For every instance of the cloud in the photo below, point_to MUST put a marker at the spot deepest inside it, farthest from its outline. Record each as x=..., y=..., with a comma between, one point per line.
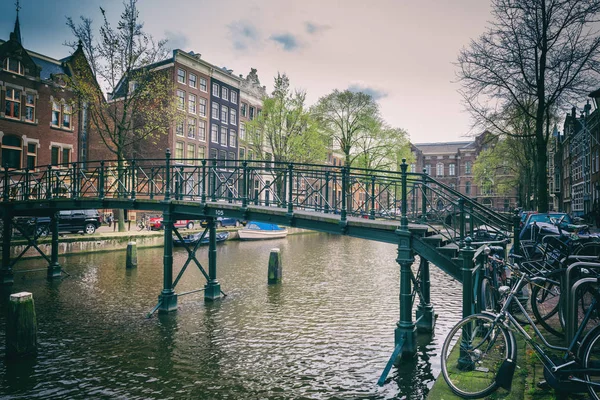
x=287, y=40
x=243, y=34
x=314, y=29
x=375, y=93
x=176, y=40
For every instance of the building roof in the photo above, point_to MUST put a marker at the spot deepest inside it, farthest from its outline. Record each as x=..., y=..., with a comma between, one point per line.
x=441, y=148
x=48, y=65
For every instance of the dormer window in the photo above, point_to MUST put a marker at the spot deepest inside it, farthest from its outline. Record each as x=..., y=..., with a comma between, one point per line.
x=12, y=65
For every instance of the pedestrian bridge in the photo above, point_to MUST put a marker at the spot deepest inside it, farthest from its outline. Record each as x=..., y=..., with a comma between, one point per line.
x=412, y=210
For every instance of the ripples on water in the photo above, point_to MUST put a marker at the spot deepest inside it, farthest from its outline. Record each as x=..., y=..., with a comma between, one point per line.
x=325, y=333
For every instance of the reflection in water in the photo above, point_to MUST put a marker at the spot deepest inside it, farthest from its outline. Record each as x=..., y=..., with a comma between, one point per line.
x=325, y=332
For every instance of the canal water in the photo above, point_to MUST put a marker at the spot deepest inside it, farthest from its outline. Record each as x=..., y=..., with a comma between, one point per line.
x=325, y=333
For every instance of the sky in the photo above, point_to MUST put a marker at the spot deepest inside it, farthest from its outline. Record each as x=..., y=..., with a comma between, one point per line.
x=402, y=52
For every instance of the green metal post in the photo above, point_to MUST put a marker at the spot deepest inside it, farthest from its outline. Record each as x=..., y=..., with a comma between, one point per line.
x=465, y=361
x=372, y=213
x=343, y=212
x=245, y=185
x=133, y=180
x=6, y=273
x=213, y=195
x=290, y=205
x=425, y=314
x=49, y=182
x=471, y=220
x=406, y=329
x=404, y=218
x=168, y=175
x=516, y=233
x=424, y=195
x=101, y=181
x=167, y=298
x=54, y=269
x=203, y=198
x=284, y=191
x=27, y=184
x=212, y=289
x=461, y=209
x=6, y=186
x=74, y=176
x=151, y=184
x=327, y=192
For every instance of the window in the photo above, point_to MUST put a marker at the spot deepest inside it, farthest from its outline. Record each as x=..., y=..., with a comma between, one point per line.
x=180, y=99
x=202, y=131
x=428, y=169
x=203, y=84
x=234, y=97
x=178, y=151
x=201, y=152
x=31, y=155
x=191, y=128
x=60, y=155
x=13, y=103
x=181, y=76
x=268, y=158
x=192, y=103
x=232, y=116
x=12, y=151
x=244, y=110
x=451, y=170
x=213, y=153
x=191, y=153
x=440, y=169
x=232, y=138
x=12, y=65
x=54, y=155
x=66, y=116
x=55, y=114
x=66, y=156
x=242, y=131
x=215, y=90
x=250, y=155
x=468, y=168
x=179, y=128
x=467, y=187
x=202, y=107
x=214, y=133
x=251, y=113
x=223, y=157
x=242, y=153
x=223, y=138
x=224, y=111
x=225, y=93
x=413, y=168
x=30, y=107
x=215, y=110
x=193, y=79
x=231, y=157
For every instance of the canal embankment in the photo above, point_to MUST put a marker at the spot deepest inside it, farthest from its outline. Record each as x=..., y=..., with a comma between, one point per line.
x=105, y=239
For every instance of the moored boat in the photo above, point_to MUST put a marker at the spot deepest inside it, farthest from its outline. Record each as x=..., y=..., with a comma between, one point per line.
x=261, y=230
x=194, y=238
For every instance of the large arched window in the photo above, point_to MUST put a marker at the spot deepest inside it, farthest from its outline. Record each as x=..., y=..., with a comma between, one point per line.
x=12, y=151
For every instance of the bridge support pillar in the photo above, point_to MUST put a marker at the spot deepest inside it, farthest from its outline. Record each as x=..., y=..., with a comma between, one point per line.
x=424, y=314
x=212, y=289
x=406, y=331
x=54, y=269
x=6, y=273
x=168, y=298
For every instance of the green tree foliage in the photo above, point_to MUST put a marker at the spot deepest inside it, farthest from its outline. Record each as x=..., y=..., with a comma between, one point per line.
x=285, y=128
x=127, y=101
x=383, y=149
x=536, y=57
x=349, y=119
x=496, y=170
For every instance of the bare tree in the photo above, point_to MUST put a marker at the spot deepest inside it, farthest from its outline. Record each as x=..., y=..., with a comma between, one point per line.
x=536, y=57
x=127, y=100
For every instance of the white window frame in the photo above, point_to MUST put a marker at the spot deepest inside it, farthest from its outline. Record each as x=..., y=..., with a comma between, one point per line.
x=232, y=138
x=224, y=114
x=215, y=115
x=202, y=107
x=192, y=103
x=203, y=85
x=232, y=116
x=181, y=79
x=195, y=80
x=234, y=97
x=214, y=133
x=215, y=89
x=225, y=93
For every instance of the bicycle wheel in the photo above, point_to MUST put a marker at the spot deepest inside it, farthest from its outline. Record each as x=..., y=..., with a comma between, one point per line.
x=472, y=354
x=589, y=249
x=591, y=360
x=488, y=296
x=584, y=297
x=546, y=304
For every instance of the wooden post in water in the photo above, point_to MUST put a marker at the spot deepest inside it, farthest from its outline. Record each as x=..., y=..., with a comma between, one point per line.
x=131, y=261
x=275, y=267
x=21, y=326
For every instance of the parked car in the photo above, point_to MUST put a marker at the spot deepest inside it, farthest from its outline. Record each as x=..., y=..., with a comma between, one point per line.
x=156, y=224
x=543, y=219
x=223, y=222
x=72, y=221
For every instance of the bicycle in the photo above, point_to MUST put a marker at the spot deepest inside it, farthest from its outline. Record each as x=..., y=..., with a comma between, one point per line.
x=485, y=358
x=142, y=225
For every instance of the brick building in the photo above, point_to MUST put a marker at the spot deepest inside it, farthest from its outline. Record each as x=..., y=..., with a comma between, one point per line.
x=39, y=118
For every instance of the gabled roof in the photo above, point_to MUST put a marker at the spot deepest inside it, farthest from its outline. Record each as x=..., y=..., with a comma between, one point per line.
x=441, y=148
x=48, y=65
